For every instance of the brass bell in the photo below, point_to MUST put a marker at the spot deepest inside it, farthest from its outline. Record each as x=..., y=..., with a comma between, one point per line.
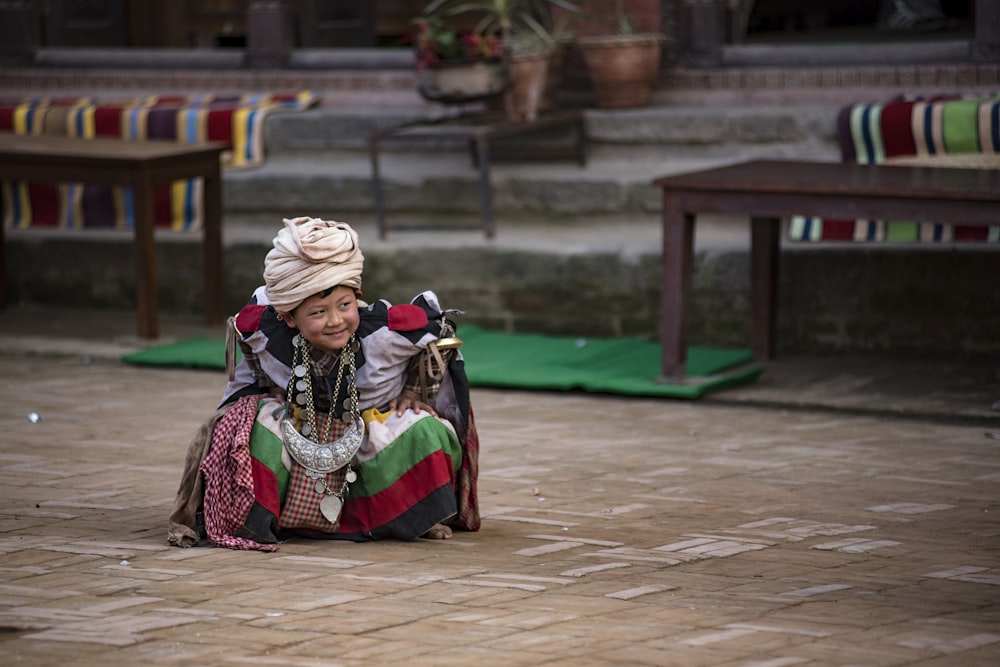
x=449, y=343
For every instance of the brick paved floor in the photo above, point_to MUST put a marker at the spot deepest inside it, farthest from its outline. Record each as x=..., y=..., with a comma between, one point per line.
x=616, y=532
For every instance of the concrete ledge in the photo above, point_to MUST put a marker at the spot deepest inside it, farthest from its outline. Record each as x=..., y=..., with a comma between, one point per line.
x=326, y=59
x=325, y=129
x=200, y=59
x=444, y=193
x=700, y=126
x=928, y=52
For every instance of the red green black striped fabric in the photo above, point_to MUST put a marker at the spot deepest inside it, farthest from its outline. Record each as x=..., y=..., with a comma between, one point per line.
x=874, y=133
x=233, y=120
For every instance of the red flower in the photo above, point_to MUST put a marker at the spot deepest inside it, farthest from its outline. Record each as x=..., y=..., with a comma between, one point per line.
x=434, y=43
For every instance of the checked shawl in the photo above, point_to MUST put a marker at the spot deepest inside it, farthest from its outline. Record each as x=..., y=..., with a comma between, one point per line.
x=228, y=474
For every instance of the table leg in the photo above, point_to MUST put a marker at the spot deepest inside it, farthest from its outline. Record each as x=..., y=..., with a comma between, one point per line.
x=485, y=192
x=3, y=269
x=373, y=148
x=581, y=141
x=212, y=248
x=764, y=256
x=473, y=152
x=145, y=259
x=675, y=289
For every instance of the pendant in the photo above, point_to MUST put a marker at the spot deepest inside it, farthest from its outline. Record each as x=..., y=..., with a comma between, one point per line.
x=326, y=457
x=320, y=487
x=301, y=385
x=330, y=506
x=300, y=371
x=351, y=477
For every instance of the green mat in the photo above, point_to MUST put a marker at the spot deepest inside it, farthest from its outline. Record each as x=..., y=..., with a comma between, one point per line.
x=625, y=366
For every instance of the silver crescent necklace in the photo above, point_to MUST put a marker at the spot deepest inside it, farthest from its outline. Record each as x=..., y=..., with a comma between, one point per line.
x=319, y=458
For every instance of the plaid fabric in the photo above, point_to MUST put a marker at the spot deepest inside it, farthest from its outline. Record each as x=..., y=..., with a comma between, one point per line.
x=467, y=484
x=228, y=475
x=237, y=121
x=875, y=133
x=300, y=510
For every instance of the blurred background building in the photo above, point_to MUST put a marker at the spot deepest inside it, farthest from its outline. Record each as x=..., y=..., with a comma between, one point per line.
x=703, y=33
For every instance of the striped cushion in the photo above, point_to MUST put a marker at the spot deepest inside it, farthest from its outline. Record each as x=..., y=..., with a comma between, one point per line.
x=236, y=121
x=927, y=131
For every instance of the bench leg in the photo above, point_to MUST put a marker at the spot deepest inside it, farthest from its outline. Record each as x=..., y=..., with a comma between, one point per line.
x=764, y=256
x=485, y=191
x=3, y=270
x=675, y=288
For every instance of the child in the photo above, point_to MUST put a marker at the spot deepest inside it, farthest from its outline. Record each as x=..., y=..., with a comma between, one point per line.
x=330, y=426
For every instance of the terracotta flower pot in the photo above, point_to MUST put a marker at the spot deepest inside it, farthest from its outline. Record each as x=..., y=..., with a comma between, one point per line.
x=623, y=68
x=528, y=74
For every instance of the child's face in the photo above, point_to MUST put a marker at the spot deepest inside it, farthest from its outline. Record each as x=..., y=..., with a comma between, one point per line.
x=327, y=322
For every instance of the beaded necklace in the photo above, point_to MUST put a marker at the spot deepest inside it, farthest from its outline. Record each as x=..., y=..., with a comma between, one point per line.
x=323, y=457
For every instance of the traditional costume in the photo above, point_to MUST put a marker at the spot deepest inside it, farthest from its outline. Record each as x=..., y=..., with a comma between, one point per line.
x=304, y=443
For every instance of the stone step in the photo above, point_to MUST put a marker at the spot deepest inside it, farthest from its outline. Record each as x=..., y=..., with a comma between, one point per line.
x=693, y=129
x=577, y=249
x=447, y=184
x=318, y=160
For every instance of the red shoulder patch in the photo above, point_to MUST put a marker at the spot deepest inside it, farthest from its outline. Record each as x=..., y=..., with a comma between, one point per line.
x=407, y=317
x=248, y=319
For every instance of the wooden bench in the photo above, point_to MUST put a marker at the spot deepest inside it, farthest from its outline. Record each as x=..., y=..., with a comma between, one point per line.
x=769, y=191
x=139, y=165
x=481, y=131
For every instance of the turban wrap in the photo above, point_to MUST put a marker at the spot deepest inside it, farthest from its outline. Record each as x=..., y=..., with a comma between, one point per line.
x=309, y=256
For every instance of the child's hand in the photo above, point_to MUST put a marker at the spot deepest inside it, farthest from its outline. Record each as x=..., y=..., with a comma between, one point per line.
x=409, y=401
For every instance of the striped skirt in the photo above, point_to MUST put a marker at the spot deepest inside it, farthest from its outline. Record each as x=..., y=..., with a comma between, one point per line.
x=408, y=471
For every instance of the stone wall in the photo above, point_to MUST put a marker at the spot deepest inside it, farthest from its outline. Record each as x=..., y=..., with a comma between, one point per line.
x=936, y=302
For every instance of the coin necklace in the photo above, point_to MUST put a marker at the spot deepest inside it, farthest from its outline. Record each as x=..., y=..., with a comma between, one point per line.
x=323, y=457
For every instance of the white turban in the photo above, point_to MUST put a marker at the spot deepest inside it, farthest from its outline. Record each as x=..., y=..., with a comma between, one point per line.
x=309, y=256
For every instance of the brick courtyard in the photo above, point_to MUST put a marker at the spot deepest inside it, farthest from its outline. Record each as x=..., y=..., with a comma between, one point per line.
x=616, y=532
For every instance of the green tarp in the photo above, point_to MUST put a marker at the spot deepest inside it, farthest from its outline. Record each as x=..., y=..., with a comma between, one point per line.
x=626, y=366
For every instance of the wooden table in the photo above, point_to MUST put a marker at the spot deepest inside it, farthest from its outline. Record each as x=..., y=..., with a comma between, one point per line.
x=139, y=165
x=769, y=191
x=480, y=131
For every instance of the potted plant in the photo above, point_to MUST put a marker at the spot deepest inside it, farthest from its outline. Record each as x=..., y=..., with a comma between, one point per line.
x=528, y=45
x=457, y=66
x=623, y=64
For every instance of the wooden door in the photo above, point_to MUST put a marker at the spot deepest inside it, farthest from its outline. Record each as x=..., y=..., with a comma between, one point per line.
x=335, y=23
x=394, y=21
x=216, y=23
x=96, y=23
